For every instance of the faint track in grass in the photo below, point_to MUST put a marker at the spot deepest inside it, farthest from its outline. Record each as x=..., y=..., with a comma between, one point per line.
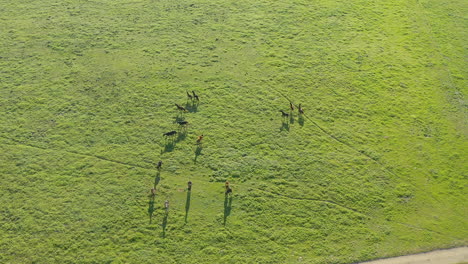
x=309, y=199
x=389, y=171
x=350, y=209
x=77, y=153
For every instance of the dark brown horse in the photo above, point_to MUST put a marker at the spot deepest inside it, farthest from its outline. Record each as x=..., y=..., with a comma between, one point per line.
x=159, y=165
x=195, y=96
x=181, y=108
x=189, y=96
x=284, y=114
x=168, y=134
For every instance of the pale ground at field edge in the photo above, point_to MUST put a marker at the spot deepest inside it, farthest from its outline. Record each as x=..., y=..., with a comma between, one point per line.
x=446, y=256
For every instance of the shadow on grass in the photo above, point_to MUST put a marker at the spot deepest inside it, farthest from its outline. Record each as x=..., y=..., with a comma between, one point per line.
x=291, y=118
x=187, y=205
x=192, y=106
x=181, y=135
x=157, y=179
x=151, y=208
x=227, y=207
x=284, y=126
x=198, y=152
x=169, y=146
x=179, y=118
x=301, y=120
x=164, y=224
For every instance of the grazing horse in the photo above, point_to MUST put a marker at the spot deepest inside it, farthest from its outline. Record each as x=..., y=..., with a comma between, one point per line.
x=168, y=134
x=153, y=192
x=199, y=139
x=189, y=96
x=283, y=114
x=159, y=164
x=301, y=111
x=291, y=106
x=195, y=96
x=181, y=108
x=182, y=123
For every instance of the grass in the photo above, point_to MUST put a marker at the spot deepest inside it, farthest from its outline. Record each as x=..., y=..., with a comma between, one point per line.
x=375, y=167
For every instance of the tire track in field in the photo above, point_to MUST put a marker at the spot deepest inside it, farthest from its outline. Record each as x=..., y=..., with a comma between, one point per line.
x=308, y=199
x=369, y=157
x=350, y=209
x=382, y=166
x=77, y=153
x=427, y=229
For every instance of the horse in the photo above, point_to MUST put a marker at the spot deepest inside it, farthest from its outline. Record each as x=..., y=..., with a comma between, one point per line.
x=166, y=205
x=199, y=139
x=283, y=114
x=291, y=106
x=171, y=133
x=159, y=164
x=299, y=108
x=189, y=186
x=182, y=123
x=153, y=192
x=195, y=96
x=189, y=96
x=228, y=190
x=181, y=108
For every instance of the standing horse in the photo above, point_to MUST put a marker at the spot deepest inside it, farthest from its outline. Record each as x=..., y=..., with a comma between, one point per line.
x=199, y=139
x=283, y=114
x=299, y=108
x=195, y=96
x=189, y=96
x=181, y=108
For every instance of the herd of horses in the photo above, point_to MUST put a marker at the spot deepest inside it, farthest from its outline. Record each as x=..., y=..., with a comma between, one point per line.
x=291, y=107
x=183, y=123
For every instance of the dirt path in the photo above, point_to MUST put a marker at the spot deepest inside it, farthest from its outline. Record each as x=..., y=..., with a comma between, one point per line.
x=446, y=256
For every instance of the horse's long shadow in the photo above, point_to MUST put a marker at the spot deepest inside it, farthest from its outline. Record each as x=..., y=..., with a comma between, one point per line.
x=284, y=126
x=187, y=204
x=227, y=207
x=169, y=146
x=181, y=135
x=291, y=118
x=157, y=179
x=151, y=208
x=192, y=106
x=198, y=152
x=301, y=120
x=164, y=224
x=179, y=118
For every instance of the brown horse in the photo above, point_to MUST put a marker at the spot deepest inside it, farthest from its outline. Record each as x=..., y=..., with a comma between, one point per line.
x=171, y=133
x=291, y=106
x=299, y=108
x=159, y=165
x=283, y=114
x=199, y=139
x=189, y=96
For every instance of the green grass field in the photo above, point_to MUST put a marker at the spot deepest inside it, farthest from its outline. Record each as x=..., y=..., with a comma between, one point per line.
x=376, y=167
